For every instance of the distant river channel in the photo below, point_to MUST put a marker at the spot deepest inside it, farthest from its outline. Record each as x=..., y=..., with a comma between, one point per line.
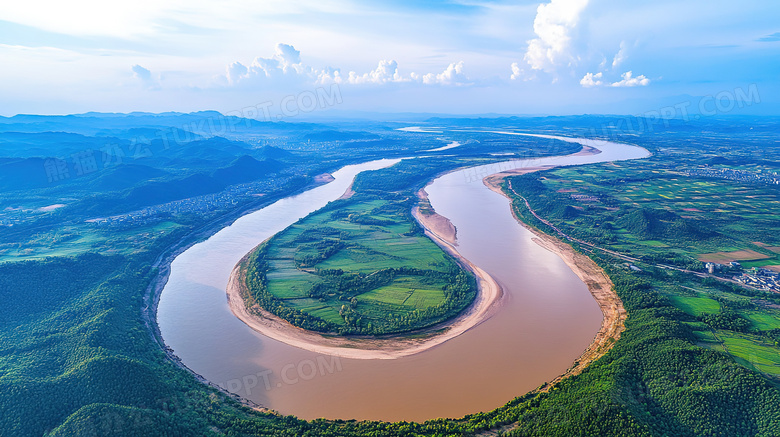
x=547, y=320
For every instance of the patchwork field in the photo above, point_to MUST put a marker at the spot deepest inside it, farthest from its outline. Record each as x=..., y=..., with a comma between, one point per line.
x=658, y=215
x=752, y=351
x=360, y=266
x=737, y=255
x=677, y=216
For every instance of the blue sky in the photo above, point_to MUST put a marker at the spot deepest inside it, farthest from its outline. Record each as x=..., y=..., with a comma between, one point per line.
x=461, y=57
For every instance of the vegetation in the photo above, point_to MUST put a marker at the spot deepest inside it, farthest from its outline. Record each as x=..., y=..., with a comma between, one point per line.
x=360, y=265
x=77, y=358
x=655, y=229
x=647, y=208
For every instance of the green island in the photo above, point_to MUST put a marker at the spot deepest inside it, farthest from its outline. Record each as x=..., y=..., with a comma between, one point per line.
x=358, y=266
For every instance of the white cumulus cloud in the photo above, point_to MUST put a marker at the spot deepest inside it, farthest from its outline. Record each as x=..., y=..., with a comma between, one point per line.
x=517, y=72
x=287, y=55
x=452, y=75
x=328, y=76
x=554, y=26
x=629, y=80
x=386, y=71
x=591, y=80
x=235, y=72
x=286, y=67
x=286, y=60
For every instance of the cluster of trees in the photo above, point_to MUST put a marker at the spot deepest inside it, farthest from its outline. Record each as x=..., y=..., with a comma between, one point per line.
x=650, y=224
x=410, y=174
x=311, y=254
x=727, y=319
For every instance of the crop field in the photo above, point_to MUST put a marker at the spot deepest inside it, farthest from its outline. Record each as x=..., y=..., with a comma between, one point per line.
x=765, y=320
x=752, y=351
x=350, y=264
x=602, y=192
x=407, y=292
x=695, y=306
x=737, y=255
x=653, y=211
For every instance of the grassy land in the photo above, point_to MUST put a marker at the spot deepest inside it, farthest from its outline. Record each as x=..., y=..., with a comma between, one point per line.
x=658, y=215
x=359, y=266
x=76, y=358
x=84, y=238
x=666, y=204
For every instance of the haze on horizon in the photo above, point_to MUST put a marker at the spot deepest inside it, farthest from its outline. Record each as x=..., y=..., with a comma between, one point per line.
x=460, y=56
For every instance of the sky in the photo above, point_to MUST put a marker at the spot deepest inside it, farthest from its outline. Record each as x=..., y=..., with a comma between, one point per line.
x=301, y=57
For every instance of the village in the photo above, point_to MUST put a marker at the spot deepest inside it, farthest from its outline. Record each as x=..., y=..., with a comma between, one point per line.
x=763, y=279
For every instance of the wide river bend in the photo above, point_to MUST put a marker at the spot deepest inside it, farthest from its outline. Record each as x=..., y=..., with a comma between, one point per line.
x=547, y=319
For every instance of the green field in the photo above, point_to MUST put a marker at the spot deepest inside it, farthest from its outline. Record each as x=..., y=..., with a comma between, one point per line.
x=359, y=266
x=71, y=240
x=695, y=306
x=764, y=321
x=659, y=215
x=673, y=204
x=78, y=359
x=752, y=351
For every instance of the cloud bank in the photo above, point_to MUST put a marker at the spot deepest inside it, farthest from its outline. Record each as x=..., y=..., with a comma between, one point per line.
x=286, y=67
x=144, y=75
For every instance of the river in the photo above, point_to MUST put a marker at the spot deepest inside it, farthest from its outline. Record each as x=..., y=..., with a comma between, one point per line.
x=547, y=319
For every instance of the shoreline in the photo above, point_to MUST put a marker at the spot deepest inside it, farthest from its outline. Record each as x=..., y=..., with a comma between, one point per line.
x=595, y=278
x=154, y=290
x=435, y=223
x=487, y=301
x=163, y=262
x=441, y=231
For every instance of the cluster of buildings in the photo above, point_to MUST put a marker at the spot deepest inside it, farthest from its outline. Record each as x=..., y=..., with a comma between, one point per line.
x=712, y=268
x=229, y=198
x=735, y=175
x=762, y=279
x=12, y=216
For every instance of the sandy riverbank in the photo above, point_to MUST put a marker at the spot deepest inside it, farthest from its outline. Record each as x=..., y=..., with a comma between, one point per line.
x=434, y=223
x=347, y=193
x=324, y=178
x=597, y=281
x=367, y=348
x=487, y=301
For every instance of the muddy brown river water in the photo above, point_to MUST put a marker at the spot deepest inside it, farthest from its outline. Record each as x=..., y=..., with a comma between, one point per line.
x=547, y=318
